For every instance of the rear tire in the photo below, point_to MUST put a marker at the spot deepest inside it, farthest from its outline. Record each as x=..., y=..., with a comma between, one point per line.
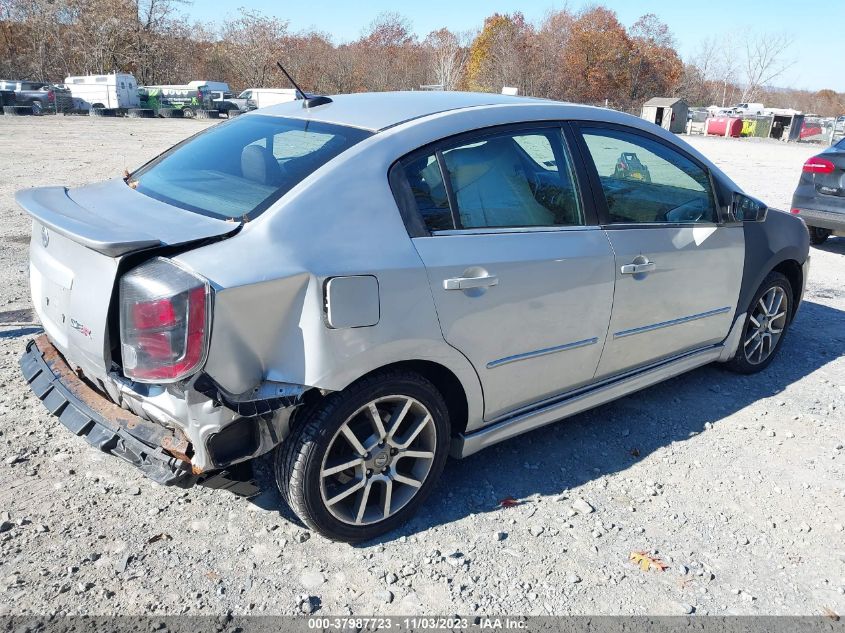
x=413, y=424
x=766, y=323
x=818, y=235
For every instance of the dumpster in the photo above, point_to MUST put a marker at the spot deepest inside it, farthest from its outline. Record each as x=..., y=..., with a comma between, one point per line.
x=724, y=126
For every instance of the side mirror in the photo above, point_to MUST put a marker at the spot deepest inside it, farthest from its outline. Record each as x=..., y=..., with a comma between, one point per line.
x=748, y=209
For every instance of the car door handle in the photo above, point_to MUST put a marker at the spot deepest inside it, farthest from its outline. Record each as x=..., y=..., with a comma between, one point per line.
x=635, y=269
x=466, y=283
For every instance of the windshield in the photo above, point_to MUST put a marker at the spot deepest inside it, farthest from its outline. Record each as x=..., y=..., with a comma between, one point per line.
x=238, y=169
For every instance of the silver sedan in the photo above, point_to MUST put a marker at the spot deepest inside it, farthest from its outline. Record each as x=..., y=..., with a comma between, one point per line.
x=366, y=283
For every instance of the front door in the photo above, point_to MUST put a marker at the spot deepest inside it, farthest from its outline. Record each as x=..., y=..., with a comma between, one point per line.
x=521, y=280
x=678, y=268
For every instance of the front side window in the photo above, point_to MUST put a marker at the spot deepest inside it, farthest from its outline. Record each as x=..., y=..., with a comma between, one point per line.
x=644, y=181
x=504, y=180
x=238, y=169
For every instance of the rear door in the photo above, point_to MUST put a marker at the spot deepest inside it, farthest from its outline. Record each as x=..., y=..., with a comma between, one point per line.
x=521, y=275
x=678, y=265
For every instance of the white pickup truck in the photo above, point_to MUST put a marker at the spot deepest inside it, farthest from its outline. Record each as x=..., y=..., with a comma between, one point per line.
x=748, y=108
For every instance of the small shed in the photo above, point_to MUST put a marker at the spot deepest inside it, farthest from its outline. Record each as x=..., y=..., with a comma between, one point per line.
x=667, y=112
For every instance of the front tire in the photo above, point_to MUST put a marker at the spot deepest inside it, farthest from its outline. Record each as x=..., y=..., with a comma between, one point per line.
x=818, y=235
x=359, y=462
x=765, y=327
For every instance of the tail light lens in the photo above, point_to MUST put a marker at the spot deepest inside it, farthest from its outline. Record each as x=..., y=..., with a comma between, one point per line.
x=51, y=96
x=164, y=322
x=818, y=165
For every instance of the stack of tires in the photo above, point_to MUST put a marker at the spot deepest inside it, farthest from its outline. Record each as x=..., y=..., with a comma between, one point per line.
x=7, y=98
x=103, y=112
x=207, y=114
x=16, y=110
x=141, y=113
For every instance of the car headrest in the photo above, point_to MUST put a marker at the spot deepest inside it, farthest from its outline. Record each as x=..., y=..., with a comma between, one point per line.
x=259, y=165
x=467, y=165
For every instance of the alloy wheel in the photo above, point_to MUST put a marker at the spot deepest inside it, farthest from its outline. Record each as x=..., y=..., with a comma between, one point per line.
x=378, y=460
x=765, y=325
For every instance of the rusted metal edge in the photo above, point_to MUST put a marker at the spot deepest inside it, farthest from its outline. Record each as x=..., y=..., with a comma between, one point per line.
x=109, y=414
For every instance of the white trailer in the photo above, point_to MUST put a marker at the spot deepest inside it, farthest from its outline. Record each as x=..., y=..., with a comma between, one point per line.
x=117, y=90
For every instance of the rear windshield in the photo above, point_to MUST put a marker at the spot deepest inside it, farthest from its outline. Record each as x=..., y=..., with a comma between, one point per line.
x=238, y=169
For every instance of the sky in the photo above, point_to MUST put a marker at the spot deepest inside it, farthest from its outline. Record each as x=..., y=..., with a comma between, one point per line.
x=818, y=49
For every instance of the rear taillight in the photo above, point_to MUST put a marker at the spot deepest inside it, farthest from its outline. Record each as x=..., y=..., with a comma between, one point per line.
x=794, y=211
x=164, y=322
x=51, y=96
x=818, y=165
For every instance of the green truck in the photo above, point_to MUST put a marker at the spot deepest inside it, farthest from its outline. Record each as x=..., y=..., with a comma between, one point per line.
x=167, y=99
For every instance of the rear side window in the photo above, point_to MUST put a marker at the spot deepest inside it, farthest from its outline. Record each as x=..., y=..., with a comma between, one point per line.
x=429, y=191
x=504, y=180
x=644, y=181
x=240, y=168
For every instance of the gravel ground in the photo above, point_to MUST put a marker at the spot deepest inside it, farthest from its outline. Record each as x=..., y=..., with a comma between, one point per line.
x=736, y=483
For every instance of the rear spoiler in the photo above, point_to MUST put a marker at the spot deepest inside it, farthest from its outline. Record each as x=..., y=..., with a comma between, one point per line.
x=113, y=219
x=53, y=208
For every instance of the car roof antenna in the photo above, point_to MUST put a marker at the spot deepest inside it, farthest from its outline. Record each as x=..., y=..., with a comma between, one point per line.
x=308, y=101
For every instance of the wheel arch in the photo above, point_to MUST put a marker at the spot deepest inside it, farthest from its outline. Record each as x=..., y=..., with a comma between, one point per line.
x=780, y=243
x=792, y=270
x=444, y=380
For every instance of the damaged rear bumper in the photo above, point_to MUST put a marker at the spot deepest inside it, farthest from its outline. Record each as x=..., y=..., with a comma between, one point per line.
x=162, y=454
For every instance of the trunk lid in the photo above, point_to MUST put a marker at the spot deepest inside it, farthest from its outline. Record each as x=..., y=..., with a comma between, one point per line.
x=79, y=238
x=832, y=184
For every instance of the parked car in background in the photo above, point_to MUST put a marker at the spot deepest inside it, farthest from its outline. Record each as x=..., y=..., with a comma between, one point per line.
x=39, y=95
x=224, y=102
x=214, y=86
x=116, y=90
x=819, y=199
x=366, y=283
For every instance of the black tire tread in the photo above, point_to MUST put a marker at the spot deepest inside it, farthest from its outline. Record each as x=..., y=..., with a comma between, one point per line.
x=306, y=427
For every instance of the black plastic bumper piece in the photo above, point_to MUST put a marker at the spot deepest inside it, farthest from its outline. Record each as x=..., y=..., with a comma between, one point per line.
x=116, y=438
x=97, y=431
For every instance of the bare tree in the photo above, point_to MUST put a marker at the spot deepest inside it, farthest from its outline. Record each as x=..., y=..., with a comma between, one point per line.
x=765, y=61
x=254, y=42
x=447, y=57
